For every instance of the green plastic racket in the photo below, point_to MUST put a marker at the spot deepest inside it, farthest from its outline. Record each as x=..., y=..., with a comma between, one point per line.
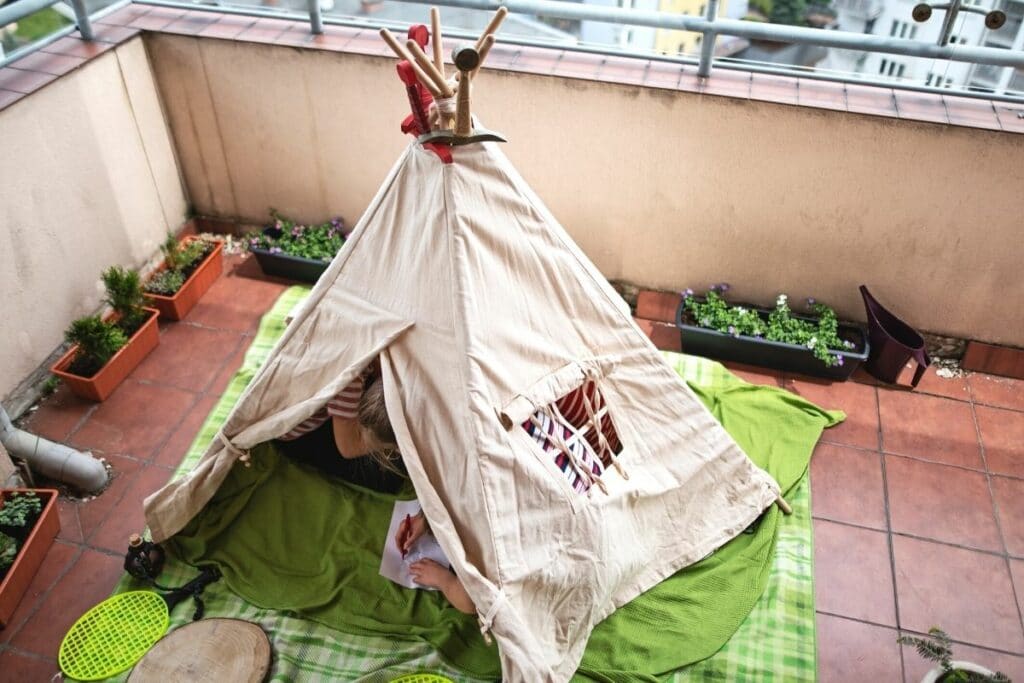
x=115, y=634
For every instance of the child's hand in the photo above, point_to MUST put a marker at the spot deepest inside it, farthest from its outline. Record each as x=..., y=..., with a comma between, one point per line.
x=409, y=531
x=430, y=574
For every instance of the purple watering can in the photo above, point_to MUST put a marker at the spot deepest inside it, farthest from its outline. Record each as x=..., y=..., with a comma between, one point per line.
x=893, y=343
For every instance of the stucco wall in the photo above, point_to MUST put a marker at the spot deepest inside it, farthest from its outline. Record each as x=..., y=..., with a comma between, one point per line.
x=662, y=188
x=89, y=179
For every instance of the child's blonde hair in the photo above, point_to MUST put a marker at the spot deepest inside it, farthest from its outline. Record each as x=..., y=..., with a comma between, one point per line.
x=372, y=415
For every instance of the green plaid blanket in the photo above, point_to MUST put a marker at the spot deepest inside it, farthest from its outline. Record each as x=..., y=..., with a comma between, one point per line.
x=776, y=642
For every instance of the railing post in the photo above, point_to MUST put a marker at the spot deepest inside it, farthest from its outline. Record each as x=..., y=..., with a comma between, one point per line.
x=316, y=22
x=707, y=44
x=82, y=19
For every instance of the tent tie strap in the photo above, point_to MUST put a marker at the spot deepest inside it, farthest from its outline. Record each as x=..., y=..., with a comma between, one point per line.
x=487, y=619
x=240, y=455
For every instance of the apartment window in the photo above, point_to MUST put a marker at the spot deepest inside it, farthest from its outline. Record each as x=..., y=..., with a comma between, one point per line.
x=889, y=67
x=902, y=29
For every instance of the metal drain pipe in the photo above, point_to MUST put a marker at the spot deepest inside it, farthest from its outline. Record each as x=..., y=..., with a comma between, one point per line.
x=53, y=460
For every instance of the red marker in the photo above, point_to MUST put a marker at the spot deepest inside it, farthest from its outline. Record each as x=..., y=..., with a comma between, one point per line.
x=408, y=525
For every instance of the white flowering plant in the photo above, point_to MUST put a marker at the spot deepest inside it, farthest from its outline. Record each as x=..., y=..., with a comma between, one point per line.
x=820, y=337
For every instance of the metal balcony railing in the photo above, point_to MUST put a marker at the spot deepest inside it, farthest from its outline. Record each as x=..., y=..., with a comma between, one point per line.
x=709, y=25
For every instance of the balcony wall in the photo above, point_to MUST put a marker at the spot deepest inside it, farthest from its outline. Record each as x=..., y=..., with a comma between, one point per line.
x=663, y=188
x=88, y=180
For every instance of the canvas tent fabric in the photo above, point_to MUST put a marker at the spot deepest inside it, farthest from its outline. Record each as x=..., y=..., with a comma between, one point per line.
x=482, y=310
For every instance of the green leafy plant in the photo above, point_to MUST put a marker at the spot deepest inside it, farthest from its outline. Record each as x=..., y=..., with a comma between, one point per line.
x=124, y=294
x=180, y=260
x=50, y=385
x=8, y=552
x=820, y=337
x=97, y=341
x=20, y=509
x=283, y=236
x=937, y=647
x=166, y=282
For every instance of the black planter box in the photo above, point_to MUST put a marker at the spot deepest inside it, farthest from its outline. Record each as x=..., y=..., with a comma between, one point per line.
x=287, y=266
x=701, y=341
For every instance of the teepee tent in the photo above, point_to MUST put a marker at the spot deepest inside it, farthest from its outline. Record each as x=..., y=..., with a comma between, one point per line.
x=486, y=316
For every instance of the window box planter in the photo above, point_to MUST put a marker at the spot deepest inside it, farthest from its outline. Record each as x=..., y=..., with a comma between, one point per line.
x=772, y=354
x=102, y=384
x=288, y=266
x=177, y=306
x=31, y=552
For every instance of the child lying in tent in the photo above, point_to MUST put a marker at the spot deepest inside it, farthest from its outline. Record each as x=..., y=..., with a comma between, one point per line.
x=351, y=437
x=429, y=573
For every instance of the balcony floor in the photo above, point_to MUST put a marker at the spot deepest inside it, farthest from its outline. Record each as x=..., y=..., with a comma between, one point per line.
x=918, y=498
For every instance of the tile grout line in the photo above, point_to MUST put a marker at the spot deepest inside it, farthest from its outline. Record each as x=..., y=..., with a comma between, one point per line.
x=917, y=458
x=910, y=630
x=999, y=524
x=888, y=525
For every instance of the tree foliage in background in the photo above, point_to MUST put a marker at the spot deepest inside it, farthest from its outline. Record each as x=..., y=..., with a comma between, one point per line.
x=791, y=12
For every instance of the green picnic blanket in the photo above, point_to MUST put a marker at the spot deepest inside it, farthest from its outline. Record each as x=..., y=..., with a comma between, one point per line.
x=776, y=637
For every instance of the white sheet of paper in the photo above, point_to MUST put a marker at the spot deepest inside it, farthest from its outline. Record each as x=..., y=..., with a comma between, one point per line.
x=392, y=565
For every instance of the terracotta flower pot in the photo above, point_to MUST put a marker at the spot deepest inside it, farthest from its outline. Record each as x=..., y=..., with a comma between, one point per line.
x=178, y=305
x=30, y=553
x=102, y=384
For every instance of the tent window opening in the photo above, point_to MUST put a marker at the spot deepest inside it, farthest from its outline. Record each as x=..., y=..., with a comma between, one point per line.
x=578, y=433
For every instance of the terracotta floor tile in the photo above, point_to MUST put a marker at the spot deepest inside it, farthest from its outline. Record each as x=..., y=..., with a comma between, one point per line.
x=1017, y=573
x=1001, y=392
x=70, y=525
x=57, y=561
x=1002, y=434
x=755, y=374
x=1009, y=495
x=189, y=357
x=58, y=415
x=950, y=387
x=76, y=47
x=916, y=668
x=8, y=97
x=236, y=303
x=229, y=368
x=782, y=89
x=172, y=452
x=18, y=666
x=126, y=518
x=23, y=81
x=48, y=62
x=662, y=75
x=854, y=651
x=727, y=83
x=821, y=94
x=959, y=589
x=846, y=486
x=929, y=427
x=921, y=106
x=89, y=581
x=92, y=513
x=852, y=573
x=108, y=33
x=135, y=420
x=125, y=16
x=963, y=111
x=942, y=503
x=227, y=26
x=864, y=99
x=858, y=401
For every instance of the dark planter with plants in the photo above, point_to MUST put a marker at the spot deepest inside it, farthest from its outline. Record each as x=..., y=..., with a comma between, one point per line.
x=287, y=266
x=27, y=537
x=297, y=252
x=767, y=353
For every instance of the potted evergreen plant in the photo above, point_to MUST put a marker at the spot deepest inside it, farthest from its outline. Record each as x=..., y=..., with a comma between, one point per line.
x=106, y=349
x=190, y=268
x=29, y=521
x=297, y=252
x=937, y=647
x=816, y=344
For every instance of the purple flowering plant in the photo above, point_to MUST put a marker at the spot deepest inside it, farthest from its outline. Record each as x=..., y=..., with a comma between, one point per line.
x=284, y=236
x=821, y=337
